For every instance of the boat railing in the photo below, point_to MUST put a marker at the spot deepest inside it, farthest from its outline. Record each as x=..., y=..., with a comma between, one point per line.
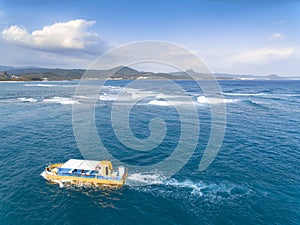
x=88, y=174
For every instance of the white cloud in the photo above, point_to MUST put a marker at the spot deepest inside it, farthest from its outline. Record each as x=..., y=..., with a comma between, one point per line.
x=58, y=37
x=264, y=55
x=276, y=36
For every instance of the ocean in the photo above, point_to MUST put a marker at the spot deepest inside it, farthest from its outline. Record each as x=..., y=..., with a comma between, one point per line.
x=254, y=179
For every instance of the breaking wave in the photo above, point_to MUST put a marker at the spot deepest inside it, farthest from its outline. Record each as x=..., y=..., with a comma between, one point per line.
x=51, y=85
x=27, y=99
x=41, y=85
x=61, y=100
x=264, y=95
x=168, y=103
x=245, y=94
x=205, y=100
x=255, y=103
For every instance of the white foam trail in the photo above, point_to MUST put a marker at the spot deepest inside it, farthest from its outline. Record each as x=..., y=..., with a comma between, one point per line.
x=158, y=185
x=148, y=179
x=159, y=179
x=27, y=99
x=61, y=100
x=61, y=184
x=196, y=187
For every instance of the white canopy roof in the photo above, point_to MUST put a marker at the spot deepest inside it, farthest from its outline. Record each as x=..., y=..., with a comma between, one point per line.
x=80, y=164
x=88, y=165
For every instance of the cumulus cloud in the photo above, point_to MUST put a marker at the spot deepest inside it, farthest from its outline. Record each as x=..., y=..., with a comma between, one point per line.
x=264, y=55
x=276, y=36
x=58, y=37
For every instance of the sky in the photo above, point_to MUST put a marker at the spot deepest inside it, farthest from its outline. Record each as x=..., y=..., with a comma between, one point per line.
x=229, y=36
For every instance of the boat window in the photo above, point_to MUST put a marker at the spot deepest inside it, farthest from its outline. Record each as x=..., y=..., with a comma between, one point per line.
x=106, y=170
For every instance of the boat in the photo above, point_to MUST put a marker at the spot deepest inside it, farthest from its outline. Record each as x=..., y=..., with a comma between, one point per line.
x=86, y=172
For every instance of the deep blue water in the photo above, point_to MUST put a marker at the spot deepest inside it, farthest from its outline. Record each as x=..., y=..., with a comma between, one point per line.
x=255, y=178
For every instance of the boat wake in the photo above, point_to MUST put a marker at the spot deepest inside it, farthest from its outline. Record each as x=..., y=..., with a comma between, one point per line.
x=157, y=184
x=139, y=179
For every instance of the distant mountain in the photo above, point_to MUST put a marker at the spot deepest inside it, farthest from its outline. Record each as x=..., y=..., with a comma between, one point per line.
x=226, y=76
x=244, y=77
x=273, y=77
x=118, y=73
x=125, y=72
x=5, y=68
x=8, y=68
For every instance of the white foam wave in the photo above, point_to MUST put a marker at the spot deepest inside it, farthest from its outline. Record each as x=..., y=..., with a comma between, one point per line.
x=205, y=100
x=245, y=94
x=169, y=103
x=119, y=97
x=116, y=93
x=70, y=85
x=83, y=97
x=108, y=97
x=263, y=94
x=160, y=102
x=113, y=98
x=27, y=99
x=61, y=100
x=231, y=100
x=202, y=100
x=292, y=95
x=109, y=87
x=41, y=85
x=170, y=100
x=51, y=85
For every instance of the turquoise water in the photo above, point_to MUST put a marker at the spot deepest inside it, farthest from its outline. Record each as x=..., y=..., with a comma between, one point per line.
x=253, y=180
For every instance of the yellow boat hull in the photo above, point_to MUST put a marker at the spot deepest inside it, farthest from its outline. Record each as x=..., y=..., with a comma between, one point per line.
x=51, y=173
x=94, y=181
